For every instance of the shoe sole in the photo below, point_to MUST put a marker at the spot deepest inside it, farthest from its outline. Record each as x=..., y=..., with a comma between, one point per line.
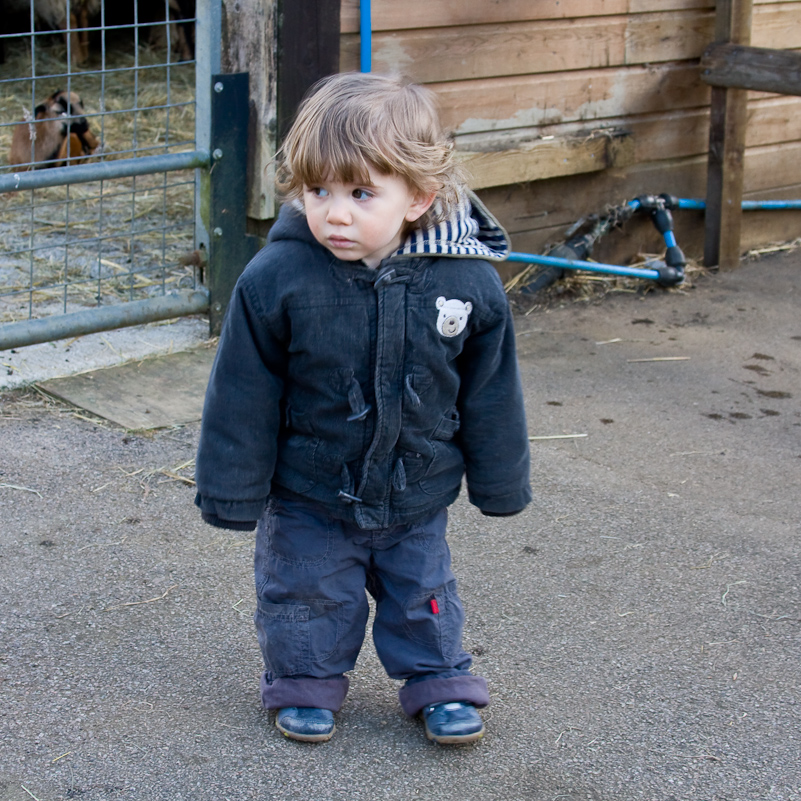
x=455, y=739
x=305, y=738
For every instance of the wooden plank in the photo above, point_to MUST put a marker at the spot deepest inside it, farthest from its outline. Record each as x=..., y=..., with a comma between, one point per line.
x=771, y=167
x=390, y=15
x=152, y=393
x=728, y=116
x=752, y=68
x=686, y=133
x=772, y=119
x=308, y=49
x=537, y=214
x=534, y=47
x=658, y=137
x=519, y=48
x=482, y=51
x=543, y=159
x=645, y=6
x=668, y=36
x=244, y=44
x=528, y=101
x=536, y=206
x=541, y=205
x=776, y=25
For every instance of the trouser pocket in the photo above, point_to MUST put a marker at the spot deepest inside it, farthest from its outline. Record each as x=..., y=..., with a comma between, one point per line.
x=294, y=637
x=435, y=620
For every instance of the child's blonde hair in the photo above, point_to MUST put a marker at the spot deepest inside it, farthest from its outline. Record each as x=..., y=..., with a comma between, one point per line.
x=353, y=121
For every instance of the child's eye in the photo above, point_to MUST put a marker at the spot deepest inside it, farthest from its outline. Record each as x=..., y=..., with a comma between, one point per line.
x=362, y=194
x=317, y=191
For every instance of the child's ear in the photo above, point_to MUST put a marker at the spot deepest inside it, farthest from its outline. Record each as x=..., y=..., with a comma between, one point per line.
x=422, y=203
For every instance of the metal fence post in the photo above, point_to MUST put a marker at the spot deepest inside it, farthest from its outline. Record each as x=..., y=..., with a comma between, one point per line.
x=230, y=247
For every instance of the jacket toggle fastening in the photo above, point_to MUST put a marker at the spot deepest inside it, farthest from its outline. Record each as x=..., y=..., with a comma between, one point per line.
x=346, y=493
x=358, y=407
x=413, y=397
x=399, y=476
x=389, y=276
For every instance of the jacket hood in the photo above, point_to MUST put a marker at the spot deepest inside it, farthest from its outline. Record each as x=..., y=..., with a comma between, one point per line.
x=470, y=231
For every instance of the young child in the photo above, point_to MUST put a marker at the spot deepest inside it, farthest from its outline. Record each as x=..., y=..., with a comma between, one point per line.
x=366, y=364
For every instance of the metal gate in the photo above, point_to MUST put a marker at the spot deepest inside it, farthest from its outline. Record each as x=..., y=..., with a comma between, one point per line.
x=122, y=166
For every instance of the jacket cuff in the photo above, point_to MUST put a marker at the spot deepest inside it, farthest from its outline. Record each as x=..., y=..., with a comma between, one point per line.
x=500, y=505
x=231, y=511
x=230, y=525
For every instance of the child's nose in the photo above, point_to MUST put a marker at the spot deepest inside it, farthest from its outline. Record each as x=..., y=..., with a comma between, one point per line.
x=338, y=212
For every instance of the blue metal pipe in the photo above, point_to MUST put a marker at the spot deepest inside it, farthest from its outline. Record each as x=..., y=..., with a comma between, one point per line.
x=589, y=266
x=365, y=37
x=747, y=205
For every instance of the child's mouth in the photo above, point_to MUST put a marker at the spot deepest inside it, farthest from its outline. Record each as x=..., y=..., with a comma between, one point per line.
x=340, y=242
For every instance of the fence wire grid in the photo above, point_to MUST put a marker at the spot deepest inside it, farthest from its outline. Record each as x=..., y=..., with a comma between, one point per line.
x=117, y=84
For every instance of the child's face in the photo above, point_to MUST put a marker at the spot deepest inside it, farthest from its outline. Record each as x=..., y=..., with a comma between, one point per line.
x=362, y=221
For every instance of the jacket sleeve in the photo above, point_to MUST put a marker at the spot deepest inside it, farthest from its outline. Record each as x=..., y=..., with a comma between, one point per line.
x=493, y=432
x=241, y=414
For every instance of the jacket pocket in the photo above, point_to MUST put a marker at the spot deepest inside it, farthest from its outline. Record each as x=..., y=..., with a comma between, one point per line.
x=445, y=471
x=294, y=468
x=293, y=637
x=298, y=422
x=447, y=426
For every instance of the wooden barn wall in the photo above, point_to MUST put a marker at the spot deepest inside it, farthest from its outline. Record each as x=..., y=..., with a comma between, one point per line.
x=507, y=70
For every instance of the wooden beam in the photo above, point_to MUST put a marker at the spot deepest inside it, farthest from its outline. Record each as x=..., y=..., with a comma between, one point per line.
x=308, y=50
x=549, y=158
x=757, y=68
x=248, y=38
x=728, y=115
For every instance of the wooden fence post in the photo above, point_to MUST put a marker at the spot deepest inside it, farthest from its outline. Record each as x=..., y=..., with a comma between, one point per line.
x=248, y=45
x=724, y=190
x=308, y=50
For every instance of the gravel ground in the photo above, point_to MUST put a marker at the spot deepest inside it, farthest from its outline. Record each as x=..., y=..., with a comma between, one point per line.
x=638, y=624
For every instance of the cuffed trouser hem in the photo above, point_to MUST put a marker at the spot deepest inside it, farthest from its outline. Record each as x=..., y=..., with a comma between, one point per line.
x=304, y=691
x=471, y=689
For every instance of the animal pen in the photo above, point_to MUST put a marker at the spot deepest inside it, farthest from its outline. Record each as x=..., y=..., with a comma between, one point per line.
x=111, y=184
x=559, y=109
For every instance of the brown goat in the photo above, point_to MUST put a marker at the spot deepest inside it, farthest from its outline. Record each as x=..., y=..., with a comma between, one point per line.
x=58, y=131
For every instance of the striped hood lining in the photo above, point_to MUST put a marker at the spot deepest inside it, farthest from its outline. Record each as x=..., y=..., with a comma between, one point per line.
x=470, y=231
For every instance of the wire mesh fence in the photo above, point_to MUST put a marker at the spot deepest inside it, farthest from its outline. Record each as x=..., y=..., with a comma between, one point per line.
x=95, y=82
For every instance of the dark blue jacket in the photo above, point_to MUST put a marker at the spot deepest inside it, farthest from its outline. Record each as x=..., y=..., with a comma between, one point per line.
x=368, y=391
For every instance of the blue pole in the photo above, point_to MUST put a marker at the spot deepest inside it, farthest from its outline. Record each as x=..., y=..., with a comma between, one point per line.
x=747, y=205
x=590, y=266
x=365, y=37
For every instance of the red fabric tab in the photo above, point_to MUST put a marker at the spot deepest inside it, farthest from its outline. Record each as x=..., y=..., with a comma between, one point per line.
x=434, y=606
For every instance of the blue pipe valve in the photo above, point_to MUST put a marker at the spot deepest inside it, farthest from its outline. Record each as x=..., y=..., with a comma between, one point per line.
x=658, y=206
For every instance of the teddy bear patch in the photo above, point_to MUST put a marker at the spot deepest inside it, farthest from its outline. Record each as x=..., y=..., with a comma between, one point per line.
x=453, y=316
